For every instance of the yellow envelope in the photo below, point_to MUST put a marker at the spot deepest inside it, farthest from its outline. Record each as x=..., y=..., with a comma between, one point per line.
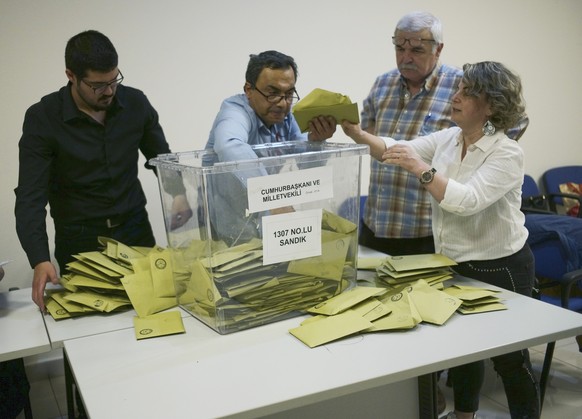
x=100, y=302
x=140, y=290
x=434, y=306
x=78, y=280
x=346, y=300
x=399, y=298
x=466, y=292
x=333, y=222
x=370, y=263
x=104, y=263
x=330, y=265
x=121, y=252
x=160, y=324
x=162, y=274
x=322, y=102
x=84, y=269
x=372, y=309
x=421, y=261
x=57, y=311
x=480, y=301
x=482, y=308
x=403, y=314
x=330, y=328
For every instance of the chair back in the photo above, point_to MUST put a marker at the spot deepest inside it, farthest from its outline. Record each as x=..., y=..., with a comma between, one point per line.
x=550, y=259
x=553, y=178
x=529, y=187
x=532, y=200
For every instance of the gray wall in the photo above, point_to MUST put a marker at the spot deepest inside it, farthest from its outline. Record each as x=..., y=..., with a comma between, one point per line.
x=188, y=55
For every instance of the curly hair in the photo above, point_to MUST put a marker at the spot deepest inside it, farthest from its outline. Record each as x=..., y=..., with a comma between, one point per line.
x=502, y=90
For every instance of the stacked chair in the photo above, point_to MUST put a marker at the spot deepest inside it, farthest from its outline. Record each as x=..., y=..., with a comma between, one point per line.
x=556, y=242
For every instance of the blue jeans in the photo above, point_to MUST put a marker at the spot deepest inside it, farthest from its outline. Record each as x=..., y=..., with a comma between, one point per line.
x=514, y=273
x=72, y=239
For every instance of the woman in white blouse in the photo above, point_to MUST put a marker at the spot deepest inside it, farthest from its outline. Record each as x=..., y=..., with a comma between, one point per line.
x=474, y=174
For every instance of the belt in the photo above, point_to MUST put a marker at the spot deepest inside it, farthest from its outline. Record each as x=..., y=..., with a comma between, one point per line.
x=109, y=222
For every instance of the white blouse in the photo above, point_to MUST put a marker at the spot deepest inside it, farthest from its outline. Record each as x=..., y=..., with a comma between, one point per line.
x=479, y=217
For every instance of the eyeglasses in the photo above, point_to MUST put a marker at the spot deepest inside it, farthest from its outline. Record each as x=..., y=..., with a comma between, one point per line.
x=99, y=88
x=399, y=41
x=289, y=97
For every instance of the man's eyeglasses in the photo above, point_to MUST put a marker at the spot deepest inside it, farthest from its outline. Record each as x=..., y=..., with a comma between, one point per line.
x=289, y=97
x=99, y=88
x=399, y=41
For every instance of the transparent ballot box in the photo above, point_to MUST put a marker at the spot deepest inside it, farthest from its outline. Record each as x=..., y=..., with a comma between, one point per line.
x=268, y=237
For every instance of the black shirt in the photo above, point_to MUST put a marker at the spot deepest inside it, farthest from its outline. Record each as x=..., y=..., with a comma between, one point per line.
x=82, y=169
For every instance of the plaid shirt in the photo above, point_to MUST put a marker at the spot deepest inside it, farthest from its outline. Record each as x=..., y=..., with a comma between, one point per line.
x=397, y=206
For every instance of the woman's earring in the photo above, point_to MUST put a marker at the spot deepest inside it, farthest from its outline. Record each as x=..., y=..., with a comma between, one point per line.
x=488, y=128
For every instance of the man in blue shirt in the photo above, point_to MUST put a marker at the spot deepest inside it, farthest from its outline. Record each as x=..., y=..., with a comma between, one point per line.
x=263, y=113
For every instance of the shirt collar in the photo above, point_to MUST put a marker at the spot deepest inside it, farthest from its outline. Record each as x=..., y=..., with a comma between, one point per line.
x=485, y=142
x=430, y=81
x=71, y=111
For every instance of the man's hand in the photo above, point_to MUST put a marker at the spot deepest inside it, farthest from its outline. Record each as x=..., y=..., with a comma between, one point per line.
x=321, y=128
x=44, y=272
x=181, y=212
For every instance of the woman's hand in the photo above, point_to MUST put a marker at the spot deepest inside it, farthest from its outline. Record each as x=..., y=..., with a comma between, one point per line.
x=354, y=131
x=404, y=156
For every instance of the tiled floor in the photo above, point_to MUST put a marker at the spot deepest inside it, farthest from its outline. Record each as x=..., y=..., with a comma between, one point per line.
x=563, y=398
x=563, y=394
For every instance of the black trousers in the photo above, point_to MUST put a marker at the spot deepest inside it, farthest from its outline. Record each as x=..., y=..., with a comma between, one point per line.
x=515, y=273
x=14, y=388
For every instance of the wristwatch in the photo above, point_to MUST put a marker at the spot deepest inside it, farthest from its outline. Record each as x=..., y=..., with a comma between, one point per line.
x=427, y=176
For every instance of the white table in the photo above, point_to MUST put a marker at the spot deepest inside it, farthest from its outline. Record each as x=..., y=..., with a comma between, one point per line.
x=60, y=331
x=22, y=326
x=266, y=371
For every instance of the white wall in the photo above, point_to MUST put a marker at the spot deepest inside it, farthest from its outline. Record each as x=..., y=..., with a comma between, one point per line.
x=188, y=55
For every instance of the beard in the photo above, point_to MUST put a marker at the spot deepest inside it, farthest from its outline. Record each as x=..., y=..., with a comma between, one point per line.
x=101, y=104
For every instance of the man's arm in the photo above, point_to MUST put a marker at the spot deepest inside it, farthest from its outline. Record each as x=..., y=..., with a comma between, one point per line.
x=153, y=144
x=35, y=159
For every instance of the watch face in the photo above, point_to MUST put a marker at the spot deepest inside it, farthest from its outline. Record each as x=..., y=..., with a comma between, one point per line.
x=427, y=176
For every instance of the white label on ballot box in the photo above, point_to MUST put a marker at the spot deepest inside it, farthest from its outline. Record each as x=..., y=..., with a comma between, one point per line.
x=289, y=188
x=294, y=235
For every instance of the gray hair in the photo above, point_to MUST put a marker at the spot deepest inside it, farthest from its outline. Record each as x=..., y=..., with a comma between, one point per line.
x=501, y=88
x=419, y=21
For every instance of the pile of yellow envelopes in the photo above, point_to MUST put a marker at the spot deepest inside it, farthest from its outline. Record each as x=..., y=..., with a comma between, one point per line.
x=119, y=277
x=411, y=291
x=399, y=270
x=231, y=289
x=476, y=300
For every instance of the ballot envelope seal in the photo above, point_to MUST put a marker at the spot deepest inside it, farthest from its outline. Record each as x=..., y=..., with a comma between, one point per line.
x=396, y=297
x=145, y=331
x=161, y=263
